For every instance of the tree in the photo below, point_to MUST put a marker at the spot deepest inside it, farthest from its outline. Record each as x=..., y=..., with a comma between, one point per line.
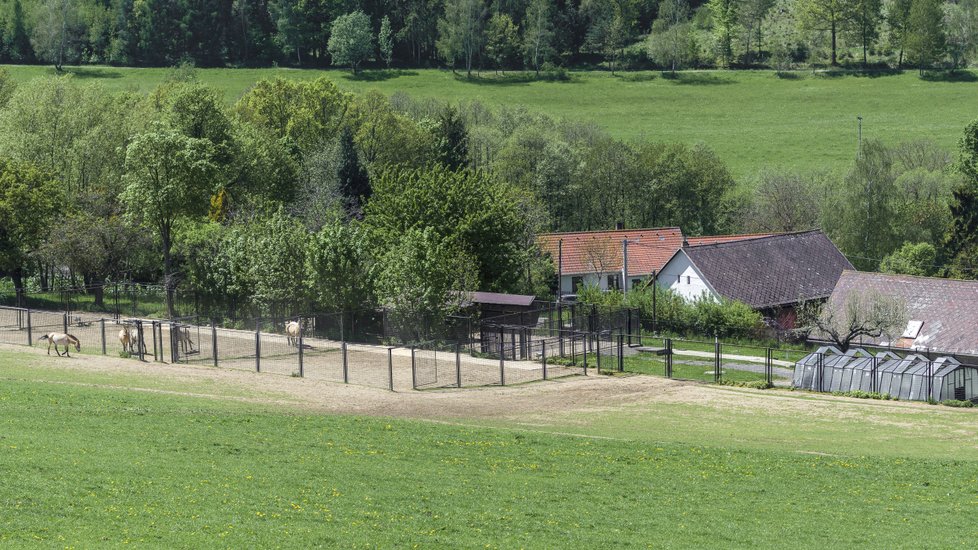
x=911, y=259
x=351, y=40
x=783, y=202
x=502, y=41
x=962, y=27
x=19, y=45
x=671, y=41
x=751, y=16
x=29, y=199
x=460, y=32
x=538, y=32
x=724, y=14
x=784, y=39
x=354, y=183
x=168, y=176
x=827, y=15
x=452, y=139
x=611, y=29
x=898, y=19
x=961, y=243
x=304, y=114
x=57, y=31
x=861, y=314
x=385, y=41
x=340, y=269
x=866, y=17
x=423, y=278
x=926, y=41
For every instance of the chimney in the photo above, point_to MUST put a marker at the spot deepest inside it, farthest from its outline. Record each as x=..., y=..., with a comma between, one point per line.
x=619, y=225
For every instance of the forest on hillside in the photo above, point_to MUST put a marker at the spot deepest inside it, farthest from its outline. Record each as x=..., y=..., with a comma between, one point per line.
x=542, y=35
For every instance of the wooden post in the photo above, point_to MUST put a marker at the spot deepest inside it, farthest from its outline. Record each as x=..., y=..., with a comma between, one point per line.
x=414, y=371
x=346, y=368
x=390, y=368
x=258, y=346
x=101, y=323
x=30, y=335
x=458, y=365
x=502, y=365
x=214, y=341
x=543, y=357
x=302, y=372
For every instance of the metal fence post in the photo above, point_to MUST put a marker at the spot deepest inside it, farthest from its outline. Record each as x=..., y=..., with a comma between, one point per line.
x=458, y=365
x=30, y=336
x=717, y=361
x=874, y=385
x=64, y=321
x=598, y=338
x=390, y=368
x=502, y=365
x=543, y=357
x=302, y=369
x=414, y=370
x=769, y=366
x=214, y=341
x=258, y=346
x=668, y=357
x=621, y=353
x=346, y=368
x=101, y=323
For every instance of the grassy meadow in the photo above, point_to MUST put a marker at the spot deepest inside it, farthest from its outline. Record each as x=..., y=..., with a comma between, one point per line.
x=753, y=119
x=90, y=462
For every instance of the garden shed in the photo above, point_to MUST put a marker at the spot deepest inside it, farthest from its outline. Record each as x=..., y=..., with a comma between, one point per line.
x=913, y=377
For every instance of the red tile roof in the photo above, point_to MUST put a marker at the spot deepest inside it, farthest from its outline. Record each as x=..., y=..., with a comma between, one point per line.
x=716, y=239
x=600, y=251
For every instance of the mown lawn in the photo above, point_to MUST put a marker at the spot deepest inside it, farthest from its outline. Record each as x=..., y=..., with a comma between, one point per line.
x=751, y=118
x=88, y=466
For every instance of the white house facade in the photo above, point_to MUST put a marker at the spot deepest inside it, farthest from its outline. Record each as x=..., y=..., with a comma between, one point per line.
x=681, y=276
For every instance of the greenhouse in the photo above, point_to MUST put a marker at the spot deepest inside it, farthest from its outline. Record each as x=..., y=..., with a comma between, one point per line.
x=914, y=377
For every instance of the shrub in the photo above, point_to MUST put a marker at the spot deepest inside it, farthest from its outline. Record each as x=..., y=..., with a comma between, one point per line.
x=753, y=384
x=859, y=394
x=957, y=403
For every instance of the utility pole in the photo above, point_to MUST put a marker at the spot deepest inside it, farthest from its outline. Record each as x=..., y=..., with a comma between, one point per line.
x=624, y=266
x=560, y=270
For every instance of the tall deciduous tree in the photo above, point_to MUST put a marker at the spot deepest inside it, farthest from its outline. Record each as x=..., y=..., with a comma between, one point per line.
x=898, y=19
x=351, y=40
x=502, y=41
x=961, y=244
x=961, y=27
x=671, y=41
x=461, y=32
x=29, y=198
x=385, y=41
x=57, y=31
x=724, y=14
x=827, y=15
x=866, y=17
x=926, y=41
x=538, y=32
x=168, y=176
x=339, y=269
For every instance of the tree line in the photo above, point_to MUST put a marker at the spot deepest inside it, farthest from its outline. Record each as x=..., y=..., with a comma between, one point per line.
x=539, y=35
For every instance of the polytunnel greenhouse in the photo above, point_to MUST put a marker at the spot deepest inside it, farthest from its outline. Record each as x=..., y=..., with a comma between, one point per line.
x=914, y=377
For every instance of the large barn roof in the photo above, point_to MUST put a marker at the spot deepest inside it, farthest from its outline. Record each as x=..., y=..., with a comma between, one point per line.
x=947, y=308
x=771, y=271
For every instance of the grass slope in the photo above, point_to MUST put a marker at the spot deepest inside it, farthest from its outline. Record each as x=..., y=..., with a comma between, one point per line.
x=751, y=118
x=90, y=466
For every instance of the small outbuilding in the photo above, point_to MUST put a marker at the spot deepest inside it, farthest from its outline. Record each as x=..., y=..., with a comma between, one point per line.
x=517, y=307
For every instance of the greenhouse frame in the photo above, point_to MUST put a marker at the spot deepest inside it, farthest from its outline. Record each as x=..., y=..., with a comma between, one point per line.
x=914, y=377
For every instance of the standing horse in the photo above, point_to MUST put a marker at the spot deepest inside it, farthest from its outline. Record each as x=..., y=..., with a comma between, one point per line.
x=130, y=340
x=181, y=335
x=292, y=330
x=61, y=339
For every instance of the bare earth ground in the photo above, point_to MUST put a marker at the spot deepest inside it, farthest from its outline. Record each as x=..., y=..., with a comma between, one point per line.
x=519, y=403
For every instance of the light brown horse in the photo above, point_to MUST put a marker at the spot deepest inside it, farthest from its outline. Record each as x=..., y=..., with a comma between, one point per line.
x=129, y=338
x=182, y=336
x=292, y=330
x=61, y=339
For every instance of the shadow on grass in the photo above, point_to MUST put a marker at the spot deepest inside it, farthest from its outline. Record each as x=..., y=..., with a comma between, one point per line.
x=872, y=72
x=86, y=72
x=949, y=76
x=379, y=75
x=697, y=79
x=787, y=75
x=514, y=78
x=636, y=77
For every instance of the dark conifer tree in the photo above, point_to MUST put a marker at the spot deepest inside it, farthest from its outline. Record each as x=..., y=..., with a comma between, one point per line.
x=453, y=139
x=354, y=182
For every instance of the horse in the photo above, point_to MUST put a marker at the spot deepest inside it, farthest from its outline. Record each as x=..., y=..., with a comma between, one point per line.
x=182, y=336
x=292, y=331
x=129, y=338
x=61, y=339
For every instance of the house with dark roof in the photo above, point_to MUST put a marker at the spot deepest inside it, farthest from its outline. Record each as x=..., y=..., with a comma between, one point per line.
x=942, y=313
x=770, y=273
x=596, y=257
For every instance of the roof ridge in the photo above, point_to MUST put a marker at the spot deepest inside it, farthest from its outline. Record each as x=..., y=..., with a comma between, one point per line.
x=760, y=238
x=906, y=276
x=595, y=231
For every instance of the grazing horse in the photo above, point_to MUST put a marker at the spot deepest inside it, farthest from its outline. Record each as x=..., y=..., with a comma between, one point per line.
x=292, y=330
x=61, y=339
x=182, y=336
x=129, y=338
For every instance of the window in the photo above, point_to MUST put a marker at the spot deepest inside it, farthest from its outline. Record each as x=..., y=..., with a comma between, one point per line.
x=614, y=282
x=636, y=283
x=576, y=283
x=687, y=279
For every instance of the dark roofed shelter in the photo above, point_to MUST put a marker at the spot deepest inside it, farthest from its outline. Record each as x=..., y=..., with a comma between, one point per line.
x=517, y=306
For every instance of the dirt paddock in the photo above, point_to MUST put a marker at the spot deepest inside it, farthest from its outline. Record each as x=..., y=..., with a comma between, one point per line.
x=575, y=396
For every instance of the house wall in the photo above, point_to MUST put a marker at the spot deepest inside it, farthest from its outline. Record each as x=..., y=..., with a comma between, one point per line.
x=682, y=277
x=600, y=279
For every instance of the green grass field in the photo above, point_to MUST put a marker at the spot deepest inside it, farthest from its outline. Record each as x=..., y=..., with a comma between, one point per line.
x=752, y=118
x=88, y=462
